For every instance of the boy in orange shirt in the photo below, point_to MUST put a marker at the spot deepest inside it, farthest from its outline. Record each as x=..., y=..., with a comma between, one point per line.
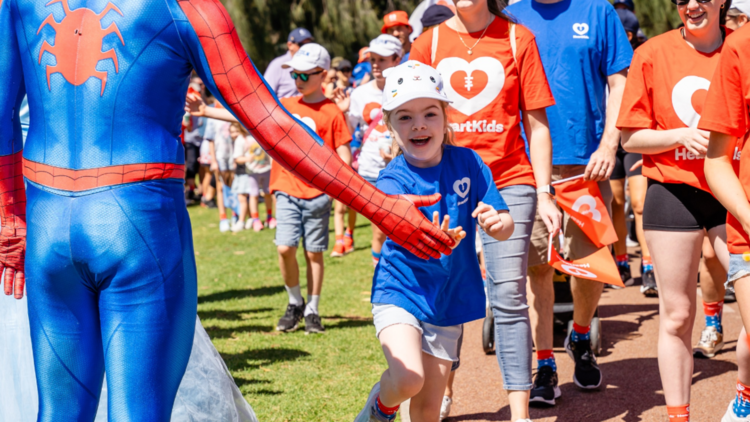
x=301, y=210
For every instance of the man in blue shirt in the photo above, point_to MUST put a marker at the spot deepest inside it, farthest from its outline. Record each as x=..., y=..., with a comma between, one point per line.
x=584, y=50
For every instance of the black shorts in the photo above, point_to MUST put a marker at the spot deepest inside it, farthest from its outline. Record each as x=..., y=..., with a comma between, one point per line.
x=681, y=207
x=192, y=152
x=623, y=162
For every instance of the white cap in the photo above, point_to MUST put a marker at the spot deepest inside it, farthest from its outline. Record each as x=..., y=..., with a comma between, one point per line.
x=409, y=81
x=308, y=57
x=385, y=45
x=743, y=6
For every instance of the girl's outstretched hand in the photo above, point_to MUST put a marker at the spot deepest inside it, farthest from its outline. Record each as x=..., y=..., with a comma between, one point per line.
x=456, y=233
x=496, y=224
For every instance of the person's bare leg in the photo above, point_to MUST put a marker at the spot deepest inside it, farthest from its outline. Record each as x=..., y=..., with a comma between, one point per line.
x=712, y=274
x=268, y=201
x=254, y=201
x=618, y=215
x=352, y=223
x=339, y=210
x=220, y=194
x=314, y=272
x=541, y=297
x=425, y=405
x=637, y=186
x=404, y=378
x=243, y=207
x=586, y=294
x=676, y=257
x=288, y=265
x=378, y=238
x=519, y=404
x=449, y=386
x=742, y=290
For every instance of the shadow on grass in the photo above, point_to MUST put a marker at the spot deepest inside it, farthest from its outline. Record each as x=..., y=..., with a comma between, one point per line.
x=230, y=315
x=218, y=332
x=257, y=358
x=241, y=294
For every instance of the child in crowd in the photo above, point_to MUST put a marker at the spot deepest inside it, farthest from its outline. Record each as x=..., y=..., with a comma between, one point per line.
x=366, y=115
x=257, y=172
x=419, y=306
x=222, y=163
x=303, y=211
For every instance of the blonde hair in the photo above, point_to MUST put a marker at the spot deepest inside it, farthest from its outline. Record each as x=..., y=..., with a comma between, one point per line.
x=240, y=128
x=448, y=137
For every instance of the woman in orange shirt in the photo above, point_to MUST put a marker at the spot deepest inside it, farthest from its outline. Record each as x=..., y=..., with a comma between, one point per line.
x=659, y=116
x=493, y=72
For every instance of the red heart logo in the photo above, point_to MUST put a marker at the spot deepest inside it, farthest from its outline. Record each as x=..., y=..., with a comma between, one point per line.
x=469, y=85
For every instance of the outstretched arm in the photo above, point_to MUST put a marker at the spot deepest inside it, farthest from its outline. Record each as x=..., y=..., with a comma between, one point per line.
x=12, y=193
x=222, y=61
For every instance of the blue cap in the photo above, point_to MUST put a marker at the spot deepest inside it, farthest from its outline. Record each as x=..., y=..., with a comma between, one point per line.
x=628, y=3
x=298, y=35
x=629, y=21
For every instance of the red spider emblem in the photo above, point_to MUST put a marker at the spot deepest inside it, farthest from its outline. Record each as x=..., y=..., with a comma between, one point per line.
x=78, y=44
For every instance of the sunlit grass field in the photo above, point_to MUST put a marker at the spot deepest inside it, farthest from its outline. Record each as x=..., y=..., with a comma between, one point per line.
x=287, y=377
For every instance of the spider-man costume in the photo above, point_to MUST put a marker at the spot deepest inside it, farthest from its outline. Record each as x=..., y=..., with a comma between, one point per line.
x=112, y=281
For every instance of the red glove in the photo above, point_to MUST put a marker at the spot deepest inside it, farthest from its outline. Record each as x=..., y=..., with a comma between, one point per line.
x=291, y=145
x=12, y=223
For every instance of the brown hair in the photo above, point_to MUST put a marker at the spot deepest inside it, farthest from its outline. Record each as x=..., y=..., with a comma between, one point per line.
x=724, y=12
x=240, y=128
x=448, y=138
x=497, y=8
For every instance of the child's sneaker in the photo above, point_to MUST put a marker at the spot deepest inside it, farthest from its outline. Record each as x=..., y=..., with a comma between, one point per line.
x=224, y=225
x=238, y=227
x=257, y=225
x=271, y=223
x=445, y=408
x=248, y=224
x=731, y=416
x=348, y=244
x=338, y=250
x=370, y=413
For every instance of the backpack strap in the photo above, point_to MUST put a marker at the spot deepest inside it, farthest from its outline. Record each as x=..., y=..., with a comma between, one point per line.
x=434, y=45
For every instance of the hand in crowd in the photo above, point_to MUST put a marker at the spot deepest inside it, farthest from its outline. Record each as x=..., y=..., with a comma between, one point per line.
x=637, y=164
x=496, y=224
x=549, y=213
x=457, y=233
x=601, y=164
x=195, y=105
x=695, y=140
x=342, y=98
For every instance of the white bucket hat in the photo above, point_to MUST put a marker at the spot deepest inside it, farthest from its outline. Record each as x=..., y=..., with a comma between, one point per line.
x=743, y=6
x=409, y=81
x=385, y=45
x=308, y=57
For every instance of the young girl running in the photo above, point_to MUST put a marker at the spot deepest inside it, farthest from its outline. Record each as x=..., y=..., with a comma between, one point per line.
x=659, y=118
x=419, y=307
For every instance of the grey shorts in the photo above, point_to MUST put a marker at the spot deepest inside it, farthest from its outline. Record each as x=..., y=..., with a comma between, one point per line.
x=738, y=267
x=441, y=342
x=297, y=218
x=225, y=163
x=259, y=182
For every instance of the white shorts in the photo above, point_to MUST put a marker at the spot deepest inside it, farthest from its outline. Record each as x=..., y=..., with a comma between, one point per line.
x=441, y=342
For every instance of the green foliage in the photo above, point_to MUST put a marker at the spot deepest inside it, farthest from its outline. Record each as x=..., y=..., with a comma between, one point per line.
x=656, y=16
x=342, y=26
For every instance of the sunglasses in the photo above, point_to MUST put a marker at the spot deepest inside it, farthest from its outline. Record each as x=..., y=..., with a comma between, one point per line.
x=685, y=2
x=305, y=76
x=345, y=69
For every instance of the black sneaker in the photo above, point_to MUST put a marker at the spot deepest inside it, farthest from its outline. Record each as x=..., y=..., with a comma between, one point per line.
x=292, y=317
x=587, y=374
x=730, y=296
x=545, y=389
x=313, y=324
x=649, y=288
x=625, y=276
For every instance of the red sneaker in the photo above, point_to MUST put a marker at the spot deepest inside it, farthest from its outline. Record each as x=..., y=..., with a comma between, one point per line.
x=338, y=250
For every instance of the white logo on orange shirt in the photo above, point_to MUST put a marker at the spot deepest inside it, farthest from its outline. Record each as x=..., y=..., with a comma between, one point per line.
x=682, y=98
x=472, y=86
x=581, y=29
x=462, y=188
x=309, y=122
x=478, y=126
x=590, y=202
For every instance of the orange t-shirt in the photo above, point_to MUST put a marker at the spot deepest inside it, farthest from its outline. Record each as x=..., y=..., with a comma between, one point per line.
x=727, y=111
x=324, y=118
x=489, y=88
x=666, y=89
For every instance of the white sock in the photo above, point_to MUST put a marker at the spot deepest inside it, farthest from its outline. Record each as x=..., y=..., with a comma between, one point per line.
x=295, y=296
x=312, y=304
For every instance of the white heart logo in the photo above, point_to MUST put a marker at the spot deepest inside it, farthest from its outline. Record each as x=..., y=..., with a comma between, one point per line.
x=581, y=28
x=462, y=187
x=307, y=121
x=460, y=89
x=682, y=99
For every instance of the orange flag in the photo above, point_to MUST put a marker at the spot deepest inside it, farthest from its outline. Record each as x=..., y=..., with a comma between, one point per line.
x=583, y=202
x=599, y=266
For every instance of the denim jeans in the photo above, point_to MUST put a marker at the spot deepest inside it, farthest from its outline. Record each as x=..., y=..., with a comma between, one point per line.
x=506, y=289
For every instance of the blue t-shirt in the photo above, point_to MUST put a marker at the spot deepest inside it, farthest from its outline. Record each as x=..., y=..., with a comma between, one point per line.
x=446, y=291
x=360, y=71
x=581, y=43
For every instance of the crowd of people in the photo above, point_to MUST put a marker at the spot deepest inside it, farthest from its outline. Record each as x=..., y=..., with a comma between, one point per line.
x=535, y=92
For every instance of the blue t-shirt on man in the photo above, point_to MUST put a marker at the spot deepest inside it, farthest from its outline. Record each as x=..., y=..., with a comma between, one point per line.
x=581, y=43
x=446, y=291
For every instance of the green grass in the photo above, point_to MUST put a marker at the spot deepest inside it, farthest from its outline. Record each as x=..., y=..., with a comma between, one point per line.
x=293, y=376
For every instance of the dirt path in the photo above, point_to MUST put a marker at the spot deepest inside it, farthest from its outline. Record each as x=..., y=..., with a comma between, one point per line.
x=631, y=390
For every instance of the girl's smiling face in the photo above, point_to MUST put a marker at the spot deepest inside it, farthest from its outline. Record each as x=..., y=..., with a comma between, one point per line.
x=419, y=127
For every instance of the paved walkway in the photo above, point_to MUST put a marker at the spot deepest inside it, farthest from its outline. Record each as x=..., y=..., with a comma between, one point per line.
x=631, y=390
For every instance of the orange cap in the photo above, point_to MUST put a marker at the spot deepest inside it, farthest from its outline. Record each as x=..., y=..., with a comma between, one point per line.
x=399, y=17
x=364, y=55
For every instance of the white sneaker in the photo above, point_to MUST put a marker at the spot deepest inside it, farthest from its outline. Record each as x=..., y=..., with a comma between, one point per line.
x=238, y=227
x=445, y=408
x=248, y=224
x=224, y=226
x=731, y=417
x=366, y=414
